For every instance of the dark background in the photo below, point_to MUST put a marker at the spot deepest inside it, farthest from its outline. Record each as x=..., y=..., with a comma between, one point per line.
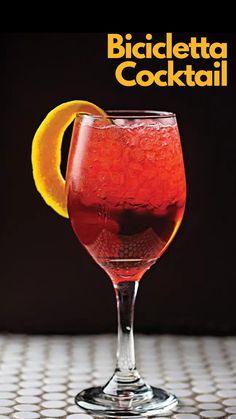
x=48, y=282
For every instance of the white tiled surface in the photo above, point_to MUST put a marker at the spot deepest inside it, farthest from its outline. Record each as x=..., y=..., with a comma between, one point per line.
x=40, y=375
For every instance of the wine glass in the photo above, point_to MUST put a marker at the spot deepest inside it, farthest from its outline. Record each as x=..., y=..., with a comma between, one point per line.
x=126, y=197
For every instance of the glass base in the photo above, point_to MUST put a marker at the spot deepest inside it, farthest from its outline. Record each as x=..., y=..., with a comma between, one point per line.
x=154, y=401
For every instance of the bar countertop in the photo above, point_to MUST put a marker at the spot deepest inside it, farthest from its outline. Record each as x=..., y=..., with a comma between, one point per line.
x=40, y=375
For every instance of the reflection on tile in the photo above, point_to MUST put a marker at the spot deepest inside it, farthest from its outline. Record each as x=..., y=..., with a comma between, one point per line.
x=187, y=409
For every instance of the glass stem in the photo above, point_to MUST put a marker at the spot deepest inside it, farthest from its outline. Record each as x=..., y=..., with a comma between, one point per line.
x=126, y=292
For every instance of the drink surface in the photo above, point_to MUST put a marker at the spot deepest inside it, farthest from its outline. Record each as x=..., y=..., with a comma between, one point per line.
x=126, y=192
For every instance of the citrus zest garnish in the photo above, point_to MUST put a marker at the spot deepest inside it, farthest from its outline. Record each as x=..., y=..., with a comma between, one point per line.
x=46, y=152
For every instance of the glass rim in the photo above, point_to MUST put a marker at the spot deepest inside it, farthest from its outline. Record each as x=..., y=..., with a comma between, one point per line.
x=130, y=114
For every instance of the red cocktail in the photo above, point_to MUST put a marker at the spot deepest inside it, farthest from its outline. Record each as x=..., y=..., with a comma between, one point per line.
x=126, y=191
x=126, y=197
